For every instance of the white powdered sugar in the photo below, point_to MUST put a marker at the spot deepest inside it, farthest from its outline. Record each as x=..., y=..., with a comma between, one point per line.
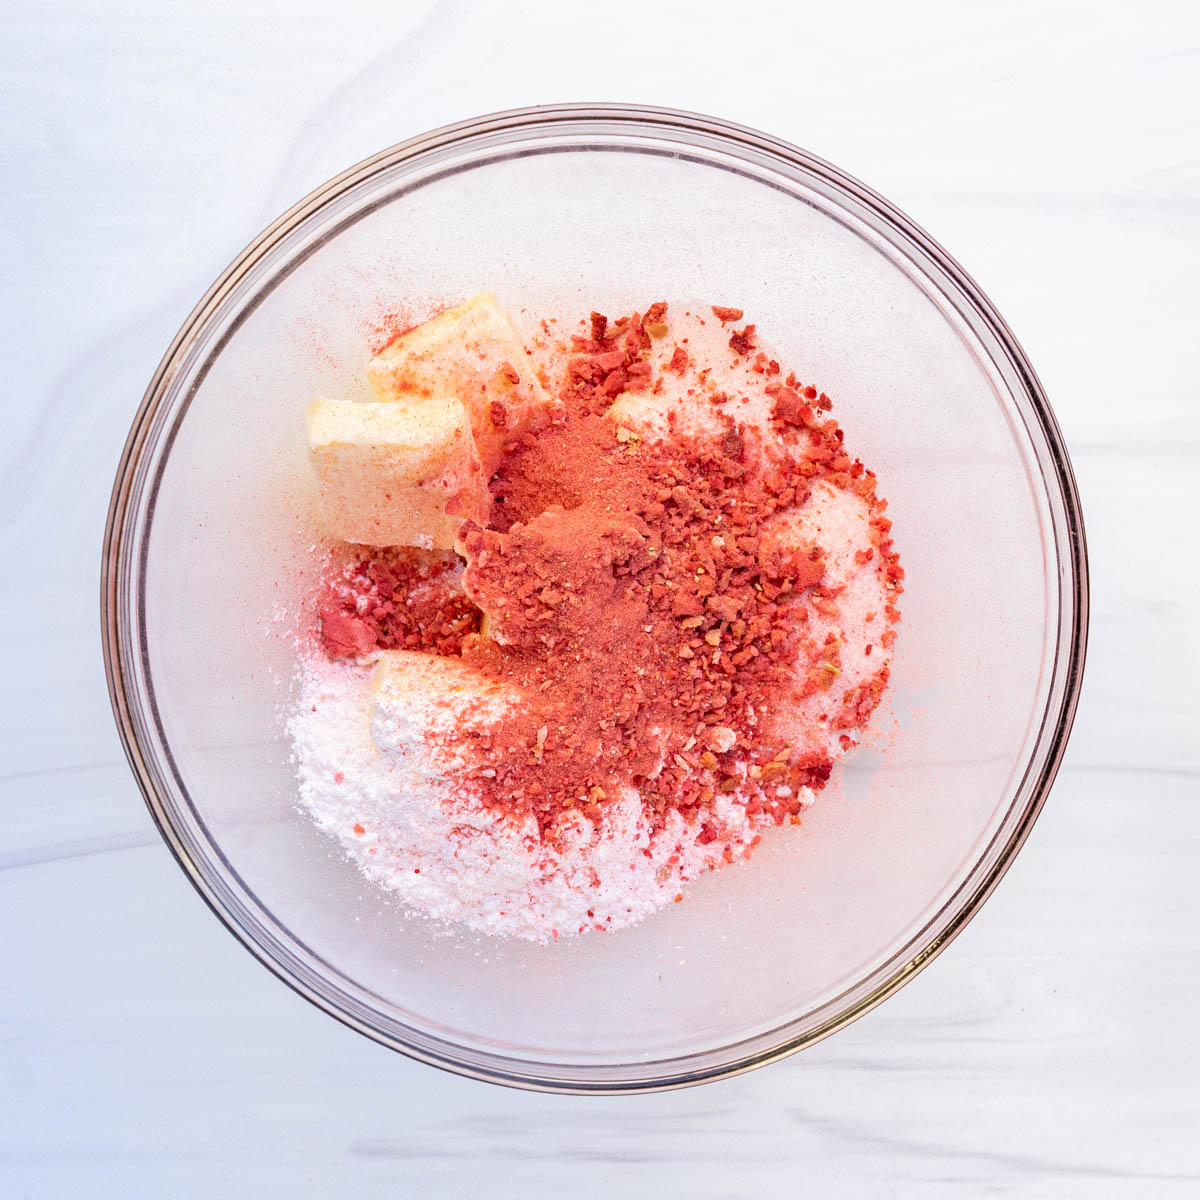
x=406, y=815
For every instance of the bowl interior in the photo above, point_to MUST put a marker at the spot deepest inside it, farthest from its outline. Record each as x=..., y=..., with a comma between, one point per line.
x=223, y=537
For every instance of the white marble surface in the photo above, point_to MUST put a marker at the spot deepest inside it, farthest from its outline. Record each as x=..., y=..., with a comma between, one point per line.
x=1053, y=1050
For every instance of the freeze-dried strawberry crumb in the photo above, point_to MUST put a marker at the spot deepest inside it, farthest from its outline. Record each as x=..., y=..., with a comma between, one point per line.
x=612, y=360
x=725, y=315
x=346, y=635
x=398, y=599
x=742, y=341
x=789, y=408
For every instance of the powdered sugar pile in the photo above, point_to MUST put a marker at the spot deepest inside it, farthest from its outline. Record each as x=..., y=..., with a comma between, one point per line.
x=408, y=819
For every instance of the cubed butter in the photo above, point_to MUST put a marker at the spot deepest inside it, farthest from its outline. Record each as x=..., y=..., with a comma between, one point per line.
x=470, y=351
x=417, y=696
x=396, y=474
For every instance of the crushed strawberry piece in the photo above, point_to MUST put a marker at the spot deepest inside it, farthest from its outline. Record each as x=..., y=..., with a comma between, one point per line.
x=395, y=600
x=742, y=341
x=679, y=360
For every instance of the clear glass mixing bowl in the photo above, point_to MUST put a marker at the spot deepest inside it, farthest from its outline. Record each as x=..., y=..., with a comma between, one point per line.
x=561, y=210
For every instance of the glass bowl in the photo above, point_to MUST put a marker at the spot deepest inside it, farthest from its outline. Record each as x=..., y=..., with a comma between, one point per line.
x=209, y=557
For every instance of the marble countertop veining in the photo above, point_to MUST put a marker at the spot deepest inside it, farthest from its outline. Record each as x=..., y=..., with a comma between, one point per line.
x=1053, y=1049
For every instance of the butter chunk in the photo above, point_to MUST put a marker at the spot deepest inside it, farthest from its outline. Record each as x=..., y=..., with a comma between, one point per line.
x=418, y=699
x=396, y=474
x=470, y=351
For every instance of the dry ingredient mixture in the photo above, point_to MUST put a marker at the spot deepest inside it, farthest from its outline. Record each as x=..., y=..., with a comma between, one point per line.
x=667, y=611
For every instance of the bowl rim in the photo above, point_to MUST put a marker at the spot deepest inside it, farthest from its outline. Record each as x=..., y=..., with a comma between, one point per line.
x=664, y=122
